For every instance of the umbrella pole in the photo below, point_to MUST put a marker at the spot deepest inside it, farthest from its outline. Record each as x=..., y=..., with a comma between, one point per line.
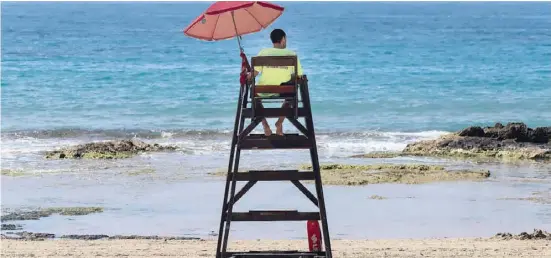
x=236, y=34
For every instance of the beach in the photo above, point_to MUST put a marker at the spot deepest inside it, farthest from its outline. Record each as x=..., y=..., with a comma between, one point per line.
x=432, y=122
x=444, y=248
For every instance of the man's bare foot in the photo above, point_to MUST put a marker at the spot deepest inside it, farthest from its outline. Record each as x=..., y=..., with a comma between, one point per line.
x=267, y=131
x=279, y=128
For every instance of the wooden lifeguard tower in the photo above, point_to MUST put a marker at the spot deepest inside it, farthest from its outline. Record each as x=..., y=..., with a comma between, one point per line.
x=249, y=108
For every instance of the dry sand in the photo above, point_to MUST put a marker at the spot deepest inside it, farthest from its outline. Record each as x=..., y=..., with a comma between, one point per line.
x=473, y=247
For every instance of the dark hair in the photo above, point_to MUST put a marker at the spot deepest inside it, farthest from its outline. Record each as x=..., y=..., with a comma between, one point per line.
x=277, y=35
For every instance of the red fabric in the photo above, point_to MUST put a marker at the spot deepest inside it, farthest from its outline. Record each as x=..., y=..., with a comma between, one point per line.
x=224, y=19
x=226, y=6
x=228, y=19
x=245, y=68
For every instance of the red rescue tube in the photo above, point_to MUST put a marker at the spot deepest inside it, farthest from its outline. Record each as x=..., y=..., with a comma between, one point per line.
x=314, y=235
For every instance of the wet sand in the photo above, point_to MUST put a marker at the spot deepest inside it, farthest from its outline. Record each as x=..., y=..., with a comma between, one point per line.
x=466, y=247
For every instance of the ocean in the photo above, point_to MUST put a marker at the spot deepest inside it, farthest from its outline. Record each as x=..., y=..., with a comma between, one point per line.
x=381, y=75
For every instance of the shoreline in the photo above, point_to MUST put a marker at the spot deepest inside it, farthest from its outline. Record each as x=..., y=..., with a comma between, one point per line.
x=440, y=247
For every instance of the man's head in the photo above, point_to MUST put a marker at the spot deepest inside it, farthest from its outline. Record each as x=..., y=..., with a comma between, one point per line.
x=279, y=38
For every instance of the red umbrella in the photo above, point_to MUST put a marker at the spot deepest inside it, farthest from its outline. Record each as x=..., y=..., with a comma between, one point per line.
x=228, y=19
x=225, y=19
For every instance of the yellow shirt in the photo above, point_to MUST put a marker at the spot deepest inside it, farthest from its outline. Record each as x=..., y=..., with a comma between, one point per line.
x=276, y=75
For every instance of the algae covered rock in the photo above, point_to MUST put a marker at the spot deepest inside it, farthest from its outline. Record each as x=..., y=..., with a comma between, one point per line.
x=537, y=234
x=379, y=155
x=107, y=150
x=11, y=227
x=46, y=212
x=11, y=172
x=517, y=131
x=343, y=174
x=514, y=141
x=476, y=131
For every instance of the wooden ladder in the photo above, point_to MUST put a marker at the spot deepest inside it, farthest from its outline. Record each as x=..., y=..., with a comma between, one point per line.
x=242, y=139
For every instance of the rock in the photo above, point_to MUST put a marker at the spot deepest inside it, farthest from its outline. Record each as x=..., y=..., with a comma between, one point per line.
x=42, y=236
x=538, y=234
x=379, y=155
x=343, y=174
x=84, y=237
x=153, y=237
x=11, y=172
x=34, y=236
x=37, y=214
x=516, y=131
x=74, y=211
x=472, y=131
x=107, y=150
x=478, y=147
x=25, y=215
x=377, y=197
x=541, y=135
x=515, y=141
x=11, y=227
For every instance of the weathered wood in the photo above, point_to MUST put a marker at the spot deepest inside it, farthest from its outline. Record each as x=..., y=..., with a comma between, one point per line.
x=305, y=191
x=289, y=141
x=275, y=89
x=243, y=191
x=242, y=139
x=264, y=254
x=274, y=112
x=273, y=61
x=274, y=175
x=274, y=215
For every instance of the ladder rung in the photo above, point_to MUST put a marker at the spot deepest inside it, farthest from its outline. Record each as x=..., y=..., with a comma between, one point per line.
x=274, y=175
x=291, y=215
x=263, y=254
x=274, y=112
x=288, y=141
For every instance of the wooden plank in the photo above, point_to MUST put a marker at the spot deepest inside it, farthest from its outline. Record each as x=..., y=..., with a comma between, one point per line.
x=274, y=175
x=242, y=192
x=274, y=89
x=264, y=254
x=274, y=216
x=306, y=192
x=274, y=112
x=288, y=141
x=274, y=61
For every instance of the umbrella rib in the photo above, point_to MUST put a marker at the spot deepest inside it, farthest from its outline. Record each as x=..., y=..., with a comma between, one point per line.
x=254, y=18
x=216, y=24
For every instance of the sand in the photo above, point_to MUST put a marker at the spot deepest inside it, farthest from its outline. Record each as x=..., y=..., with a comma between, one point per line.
x=473, y=247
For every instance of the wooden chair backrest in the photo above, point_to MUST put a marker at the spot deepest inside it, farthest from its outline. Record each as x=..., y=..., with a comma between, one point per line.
x=275, y=61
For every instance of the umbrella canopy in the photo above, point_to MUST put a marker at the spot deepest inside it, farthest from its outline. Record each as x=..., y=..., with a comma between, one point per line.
x=224, y=20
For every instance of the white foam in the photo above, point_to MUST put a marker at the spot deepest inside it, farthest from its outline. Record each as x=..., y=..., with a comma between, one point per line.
x=166, y=134
x=366, y=142
x=332, y=144
x=423, y=134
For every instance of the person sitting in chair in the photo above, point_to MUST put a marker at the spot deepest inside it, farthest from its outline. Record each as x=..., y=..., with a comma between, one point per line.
x=276, y=75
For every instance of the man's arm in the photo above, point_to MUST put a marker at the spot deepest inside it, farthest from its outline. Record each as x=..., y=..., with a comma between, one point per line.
x=299, y=68
x=250, y=75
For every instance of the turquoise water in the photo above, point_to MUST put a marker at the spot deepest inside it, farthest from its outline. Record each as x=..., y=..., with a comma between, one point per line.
x=381, y=75
x=372, y=66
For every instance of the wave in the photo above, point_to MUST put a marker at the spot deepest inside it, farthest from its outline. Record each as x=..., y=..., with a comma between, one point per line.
x=182, y=133
x=16, y=144
x=110, y=133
